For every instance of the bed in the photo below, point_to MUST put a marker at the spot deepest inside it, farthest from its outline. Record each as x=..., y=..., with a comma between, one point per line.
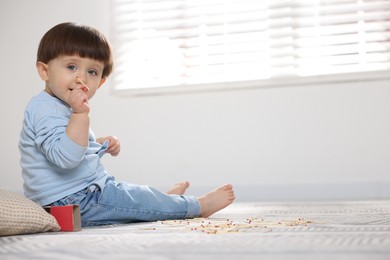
x=244, y=230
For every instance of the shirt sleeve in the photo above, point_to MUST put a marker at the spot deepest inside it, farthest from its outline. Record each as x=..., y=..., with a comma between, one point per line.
x=52, y=140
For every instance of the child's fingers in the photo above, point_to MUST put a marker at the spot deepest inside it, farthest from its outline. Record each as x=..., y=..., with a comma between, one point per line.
x=114, y=146
x=79, y=101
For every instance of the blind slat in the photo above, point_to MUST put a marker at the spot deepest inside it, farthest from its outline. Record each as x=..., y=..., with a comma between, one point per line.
x=181, y=42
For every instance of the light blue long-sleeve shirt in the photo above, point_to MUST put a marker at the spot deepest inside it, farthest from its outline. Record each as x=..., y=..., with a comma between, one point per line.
x=53, y=166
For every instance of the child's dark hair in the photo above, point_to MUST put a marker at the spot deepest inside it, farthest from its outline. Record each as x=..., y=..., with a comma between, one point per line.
x=76, y=39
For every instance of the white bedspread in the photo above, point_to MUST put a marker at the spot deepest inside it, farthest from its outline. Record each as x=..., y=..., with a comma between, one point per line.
x=322, y=230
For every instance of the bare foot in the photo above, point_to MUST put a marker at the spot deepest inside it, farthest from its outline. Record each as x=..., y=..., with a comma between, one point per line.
x=179, y=188
x=216, y=200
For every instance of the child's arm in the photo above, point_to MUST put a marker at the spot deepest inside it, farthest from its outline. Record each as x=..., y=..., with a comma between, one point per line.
x=78, y=127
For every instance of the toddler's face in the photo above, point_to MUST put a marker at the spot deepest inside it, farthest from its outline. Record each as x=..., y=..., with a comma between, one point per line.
x=63, y=71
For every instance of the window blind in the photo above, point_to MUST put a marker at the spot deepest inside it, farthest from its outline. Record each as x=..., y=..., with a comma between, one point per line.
x=163, y=43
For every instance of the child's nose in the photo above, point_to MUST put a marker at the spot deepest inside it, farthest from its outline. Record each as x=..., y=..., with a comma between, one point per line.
x=79, y=80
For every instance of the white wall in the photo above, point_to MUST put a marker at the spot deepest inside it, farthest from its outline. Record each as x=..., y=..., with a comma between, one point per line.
x=321, y=142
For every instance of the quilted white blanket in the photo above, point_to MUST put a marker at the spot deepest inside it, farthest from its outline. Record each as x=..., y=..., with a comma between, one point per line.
x=313, y=230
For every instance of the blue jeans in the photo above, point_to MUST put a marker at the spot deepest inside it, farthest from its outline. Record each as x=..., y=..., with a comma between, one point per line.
x=120, y=202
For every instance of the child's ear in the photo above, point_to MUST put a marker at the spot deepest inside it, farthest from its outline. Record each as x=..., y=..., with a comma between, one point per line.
x=102, y=82
x=42, y=70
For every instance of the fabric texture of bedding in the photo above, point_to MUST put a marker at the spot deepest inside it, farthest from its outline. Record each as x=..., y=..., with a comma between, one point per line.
x=338, y=230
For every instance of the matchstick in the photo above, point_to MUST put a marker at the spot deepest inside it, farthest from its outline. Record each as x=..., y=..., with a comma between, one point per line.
x=85, y=85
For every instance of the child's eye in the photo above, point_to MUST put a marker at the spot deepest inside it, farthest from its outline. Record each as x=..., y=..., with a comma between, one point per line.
x=72, y=67
x=93, y=72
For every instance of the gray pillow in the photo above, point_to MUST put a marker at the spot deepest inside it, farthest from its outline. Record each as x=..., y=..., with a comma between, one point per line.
x=19, y=215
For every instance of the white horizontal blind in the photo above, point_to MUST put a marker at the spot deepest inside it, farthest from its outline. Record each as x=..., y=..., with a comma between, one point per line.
x=160, y=43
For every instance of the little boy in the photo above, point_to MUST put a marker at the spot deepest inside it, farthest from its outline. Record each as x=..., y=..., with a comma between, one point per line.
x=60, y=156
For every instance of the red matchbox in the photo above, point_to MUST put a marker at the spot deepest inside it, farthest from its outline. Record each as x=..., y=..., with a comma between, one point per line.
x=68, y=217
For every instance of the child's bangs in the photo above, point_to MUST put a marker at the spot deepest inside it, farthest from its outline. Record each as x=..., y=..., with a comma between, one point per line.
x=85, y=47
